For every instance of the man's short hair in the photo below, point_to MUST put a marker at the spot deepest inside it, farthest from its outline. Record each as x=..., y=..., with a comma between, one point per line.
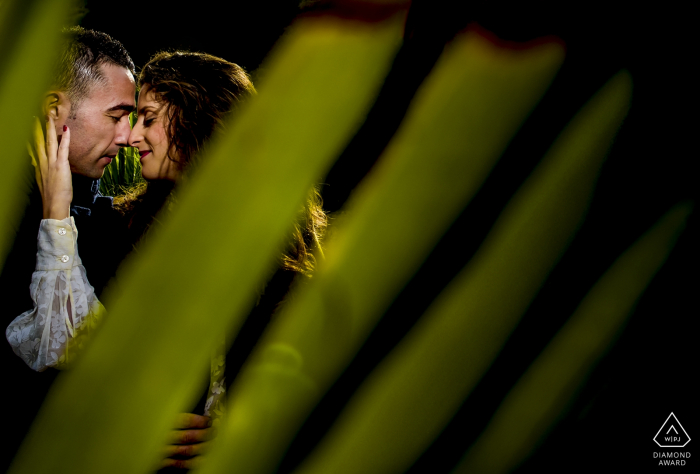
x=83, y=54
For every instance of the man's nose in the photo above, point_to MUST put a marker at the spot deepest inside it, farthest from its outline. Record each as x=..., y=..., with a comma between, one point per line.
x=123, y=132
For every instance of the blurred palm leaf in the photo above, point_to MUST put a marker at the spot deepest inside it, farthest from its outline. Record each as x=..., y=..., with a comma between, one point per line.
x=459, y=125
x=544, y=391
x=406, y=402
x=29, y=45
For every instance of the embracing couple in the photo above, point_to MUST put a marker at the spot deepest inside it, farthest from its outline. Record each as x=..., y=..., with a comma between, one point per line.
x=184, y=99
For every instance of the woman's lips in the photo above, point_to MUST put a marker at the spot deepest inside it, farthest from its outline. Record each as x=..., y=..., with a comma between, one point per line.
x=144, y=153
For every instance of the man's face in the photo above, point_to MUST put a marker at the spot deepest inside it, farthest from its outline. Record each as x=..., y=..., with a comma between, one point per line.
x=100, y=125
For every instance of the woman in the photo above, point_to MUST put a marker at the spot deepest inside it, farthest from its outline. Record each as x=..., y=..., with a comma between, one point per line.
x=184, y=99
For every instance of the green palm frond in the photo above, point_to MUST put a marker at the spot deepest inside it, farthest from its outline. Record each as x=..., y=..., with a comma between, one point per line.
x=26, y=63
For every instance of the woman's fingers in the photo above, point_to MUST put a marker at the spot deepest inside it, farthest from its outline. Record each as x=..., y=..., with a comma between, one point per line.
x=191, y=421
x=190, y=436
x=62, y=155
x=187, y=443
x=51, y=140
x=186, y=450
x=52, y=168
x=192, y=463
x=58, y=183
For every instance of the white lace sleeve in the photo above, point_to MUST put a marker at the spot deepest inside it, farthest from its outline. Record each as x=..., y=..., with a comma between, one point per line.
x=65, y=306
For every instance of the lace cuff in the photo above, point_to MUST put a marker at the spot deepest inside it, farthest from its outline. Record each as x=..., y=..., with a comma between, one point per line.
x=57, y=245
x=65, y=306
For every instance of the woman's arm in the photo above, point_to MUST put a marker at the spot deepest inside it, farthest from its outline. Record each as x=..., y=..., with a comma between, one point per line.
x=65, y=306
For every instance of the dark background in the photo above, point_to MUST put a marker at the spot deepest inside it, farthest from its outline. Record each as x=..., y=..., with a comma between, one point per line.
x=648, y=373
x=241, y=32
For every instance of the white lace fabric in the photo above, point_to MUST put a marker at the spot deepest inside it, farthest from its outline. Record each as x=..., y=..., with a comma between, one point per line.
x=216, y=396
x=66, y=311
x=65, y=306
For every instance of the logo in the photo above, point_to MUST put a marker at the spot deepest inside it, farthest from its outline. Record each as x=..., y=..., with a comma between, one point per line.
x=671, y=434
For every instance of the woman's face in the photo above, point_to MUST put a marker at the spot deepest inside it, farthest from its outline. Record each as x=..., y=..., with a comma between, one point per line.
x=150, y=137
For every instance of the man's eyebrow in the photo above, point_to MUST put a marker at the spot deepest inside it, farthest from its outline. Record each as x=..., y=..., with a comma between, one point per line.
x=123, y=106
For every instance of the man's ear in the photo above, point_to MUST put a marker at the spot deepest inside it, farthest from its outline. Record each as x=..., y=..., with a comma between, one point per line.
x=57, y=105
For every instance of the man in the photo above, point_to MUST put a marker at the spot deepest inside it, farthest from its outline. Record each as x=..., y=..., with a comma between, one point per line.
x=92, y=93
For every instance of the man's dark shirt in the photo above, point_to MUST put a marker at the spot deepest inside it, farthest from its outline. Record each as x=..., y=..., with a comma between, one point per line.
x=102, y=246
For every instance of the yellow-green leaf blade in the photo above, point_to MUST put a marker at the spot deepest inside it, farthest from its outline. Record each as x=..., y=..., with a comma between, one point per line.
x=404, y=404
x=460, y=123
x=544, y=391
x=25, y=76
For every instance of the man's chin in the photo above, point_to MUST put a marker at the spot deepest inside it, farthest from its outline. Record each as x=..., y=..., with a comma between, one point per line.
x=92, y=173
x=97, y=174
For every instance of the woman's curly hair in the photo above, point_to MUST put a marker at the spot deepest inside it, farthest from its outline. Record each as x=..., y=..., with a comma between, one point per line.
x=198, y=92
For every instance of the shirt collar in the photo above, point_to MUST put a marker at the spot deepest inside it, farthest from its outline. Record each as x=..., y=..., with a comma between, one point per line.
x=85, y=191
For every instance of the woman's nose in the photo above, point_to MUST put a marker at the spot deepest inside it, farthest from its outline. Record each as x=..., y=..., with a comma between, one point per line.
x=135, y=136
